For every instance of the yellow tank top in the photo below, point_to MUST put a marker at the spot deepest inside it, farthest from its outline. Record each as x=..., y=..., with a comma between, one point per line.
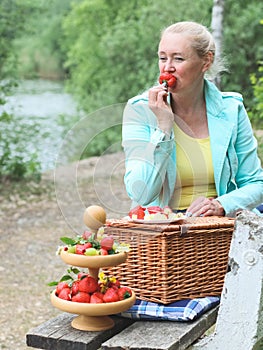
x=194, y=170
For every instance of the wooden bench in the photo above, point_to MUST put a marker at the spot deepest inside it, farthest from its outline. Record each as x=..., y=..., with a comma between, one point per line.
x=57, y=334
x=238, y=319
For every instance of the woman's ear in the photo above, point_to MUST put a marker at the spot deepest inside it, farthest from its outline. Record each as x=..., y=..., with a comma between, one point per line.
x=208, y=61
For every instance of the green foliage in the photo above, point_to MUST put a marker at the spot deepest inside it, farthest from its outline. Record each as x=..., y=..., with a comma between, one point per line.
x=13, y=24
x=243, y=46
x=13, y=162
x=113, y=56
x=256, y=111
x=40, y=46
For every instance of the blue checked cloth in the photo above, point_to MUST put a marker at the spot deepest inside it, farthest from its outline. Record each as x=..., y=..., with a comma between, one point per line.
x=182, y=310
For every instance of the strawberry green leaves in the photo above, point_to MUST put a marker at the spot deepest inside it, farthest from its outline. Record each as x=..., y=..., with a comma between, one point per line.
x=66, y=278
x=68, y=241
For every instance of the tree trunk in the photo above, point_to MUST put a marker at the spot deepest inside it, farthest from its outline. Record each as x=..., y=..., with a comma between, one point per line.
x=217, y=31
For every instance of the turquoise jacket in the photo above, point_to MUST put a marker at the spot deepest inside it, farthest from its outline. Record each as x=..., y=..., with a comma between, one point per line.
x=151, y=159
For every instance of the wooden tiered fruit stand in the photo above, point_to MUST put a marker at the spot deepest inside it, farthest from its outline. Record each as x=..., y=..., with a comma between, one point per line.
x=93, y=317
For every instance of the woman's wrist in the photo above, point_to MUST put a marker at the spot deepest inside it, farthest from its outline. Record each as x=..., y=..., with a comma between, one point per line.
x=220, y=211
x=166, y=129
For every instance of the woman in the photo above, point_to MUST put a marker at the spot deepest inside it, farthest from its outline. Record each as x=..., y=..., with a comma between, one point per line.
x=190, y=147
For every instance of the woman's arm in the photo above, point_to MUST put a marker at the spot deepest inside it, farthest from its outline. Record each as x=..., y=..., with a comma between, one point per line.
x=148, y=152
x=248, y=176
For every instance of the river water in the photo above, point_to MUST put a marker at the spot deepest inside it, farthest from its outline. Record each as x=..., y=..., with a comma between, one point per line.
x=45, y=107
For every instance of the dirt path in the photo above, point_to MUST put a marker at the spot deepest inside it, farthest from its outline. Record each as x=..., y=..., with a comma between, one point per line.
x=31, y=224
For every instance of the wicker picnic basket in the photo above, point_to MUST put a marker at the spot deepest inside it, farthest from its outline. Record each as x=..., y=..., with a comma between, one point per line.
x=171, y=262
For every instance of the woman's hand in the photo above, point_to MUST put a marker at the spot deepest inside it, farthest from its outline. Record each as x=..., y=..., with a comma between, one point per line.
x=203, y=206
x=158, y=104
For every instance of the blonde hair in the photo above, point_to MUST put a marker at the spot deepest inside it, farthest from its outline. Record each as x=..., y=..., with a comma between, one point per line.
x=201, y=40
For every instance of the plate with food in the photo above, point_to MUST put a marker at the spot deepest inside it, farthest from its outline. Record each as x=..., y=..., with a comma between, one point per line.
x=155, y=215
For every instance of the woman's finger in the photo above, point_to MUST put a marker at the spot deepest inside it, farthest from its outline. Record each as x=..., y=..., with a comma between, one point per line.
x=197, y=205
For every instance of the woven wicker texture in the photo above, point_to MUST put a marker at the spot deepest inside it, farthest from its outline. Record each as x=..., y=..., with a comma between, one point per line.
x=172, y=262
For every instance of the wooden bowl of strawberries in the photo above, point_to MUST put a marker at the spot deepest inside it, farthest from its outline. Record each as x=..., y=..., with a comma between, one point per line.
x=93, y=300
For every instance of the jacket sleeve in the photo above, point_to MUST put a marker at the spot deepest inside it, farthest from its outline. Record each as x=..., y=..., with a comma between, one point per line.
x=147, y=153
x=245, y=188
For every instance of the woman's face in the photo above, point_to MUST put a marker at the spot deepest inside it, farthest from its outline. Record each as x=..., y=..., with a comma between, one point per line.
x=176, y=56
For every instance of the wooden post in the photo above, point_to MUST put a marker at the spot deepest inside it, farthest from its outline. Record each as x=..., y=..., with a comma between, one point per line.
x=239, y=323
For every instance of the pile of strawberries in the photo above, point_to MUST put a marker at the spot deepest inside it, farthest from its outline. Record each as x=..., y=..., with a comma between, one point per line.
x=89, y=245
x=86, y=289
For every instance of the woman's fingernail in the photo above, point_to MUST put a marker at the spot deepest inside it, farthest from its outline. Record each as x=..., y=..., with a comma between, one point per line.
x=189, y=214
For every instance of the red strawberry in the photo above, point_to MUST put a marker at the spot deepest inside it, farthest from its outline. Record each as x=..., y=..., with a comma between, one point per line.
x=65, y=294
x=154, y=209
x=60, y=286
x=124, y=293
x=75, y=288
x=139, y=211
x=103, y=251
x=81, y=297
x=88, y=284
x=107, y=242
x=99, y=294
x=140, y=214
x=115, y=284
x=87, y=245
x=82, y=274
x=80, y=249
x=96, y=298
x=111, y=295
x=86, y=235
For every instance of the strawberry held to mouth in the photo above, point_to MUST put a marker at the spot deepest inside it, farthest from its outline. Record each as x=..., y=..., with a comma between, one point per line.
x=168, y=79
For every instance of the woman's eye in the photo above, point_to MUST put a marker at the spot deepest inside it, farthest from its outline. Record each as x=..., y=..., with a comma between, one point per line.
x=178, y=59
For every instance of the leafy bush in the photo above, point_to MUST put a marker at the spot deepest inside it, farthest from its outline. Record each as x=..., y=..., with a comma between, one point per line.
x=16, y=162
x=256, y=112
x=242, y=45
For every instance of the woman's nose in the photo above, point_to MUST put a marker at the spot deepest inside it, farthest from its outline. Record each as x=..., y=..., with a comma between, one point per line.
x=169, y=66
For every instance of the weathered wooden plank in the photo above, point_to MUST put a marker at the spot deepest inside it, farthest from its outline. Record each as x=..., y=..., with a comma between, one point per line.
x=58, y=334
x=161, y=335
